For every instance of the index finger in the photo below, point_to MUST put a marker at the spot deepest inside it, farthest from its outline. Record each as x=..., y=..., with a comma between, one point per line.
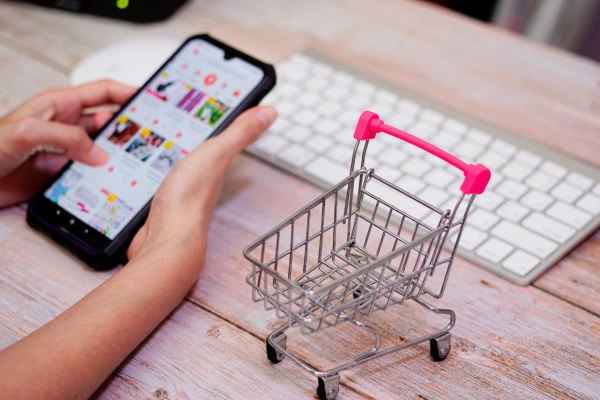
x=100, y=93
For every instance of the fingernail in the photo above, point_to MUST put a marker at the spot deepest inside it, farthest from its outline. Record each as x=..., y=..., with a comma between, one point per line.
x=99, y=156
x=266, y=115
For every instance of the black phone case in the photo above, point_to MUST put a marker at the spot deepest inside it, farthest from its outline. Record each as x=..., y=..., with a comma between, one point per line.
x=115, y=252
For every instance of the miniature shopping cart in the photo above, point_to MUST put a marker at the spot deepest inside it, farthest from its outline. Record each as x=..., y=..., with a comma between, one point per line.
x=362, y=246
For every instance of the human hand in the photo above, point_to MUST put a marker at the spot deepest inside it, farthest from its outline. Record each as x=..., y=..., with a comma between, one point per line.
x=38, y=138
x=183, y=205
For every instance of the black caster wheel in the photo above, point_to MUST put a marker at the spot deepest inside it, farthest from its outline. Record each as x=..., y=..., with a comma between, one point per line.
x=356, y=294
x=440, y=347
x=272, y=353
x=329, y=386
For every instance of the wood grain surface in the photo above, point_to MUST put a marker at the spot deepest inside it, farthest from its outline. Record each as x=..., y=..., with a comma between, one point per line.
x=540, y=341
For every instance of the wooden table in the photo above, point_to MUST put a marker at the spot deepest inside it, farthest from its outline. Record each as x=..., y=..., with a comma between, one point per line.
x=538, y=341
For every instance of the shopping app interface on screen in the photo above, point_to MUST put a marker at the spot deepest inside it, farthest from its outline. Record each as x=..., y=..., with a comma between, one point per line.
x=175, y=112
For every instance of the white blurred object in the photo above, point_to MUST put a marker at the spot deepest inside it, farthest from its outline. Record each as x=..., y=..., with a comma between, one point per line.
x=130, y=62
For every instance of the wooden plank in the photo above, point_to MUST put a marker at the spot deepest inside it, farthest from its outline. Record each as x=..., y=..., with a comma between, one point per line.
x=509, y=341
x=23, y=77
x=192, y=354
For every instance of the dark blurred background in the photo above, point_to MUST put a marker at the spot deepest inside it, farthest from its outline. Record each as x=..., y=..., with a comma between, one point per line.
x=573, y=25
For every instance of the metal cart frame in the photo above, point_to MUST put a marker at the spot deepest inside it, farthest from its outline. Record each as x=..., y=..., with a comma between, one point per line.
x=352, y=251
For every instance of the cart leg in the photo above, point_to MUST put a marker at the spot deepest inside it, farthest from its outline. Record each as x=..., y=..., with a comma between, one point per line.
x=440, y=347
x=272, y=353
x=329, y=386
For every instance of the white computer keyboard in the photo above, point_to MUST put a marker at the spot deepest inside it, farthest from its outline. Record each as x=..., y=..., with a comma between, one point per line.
x=538, y=206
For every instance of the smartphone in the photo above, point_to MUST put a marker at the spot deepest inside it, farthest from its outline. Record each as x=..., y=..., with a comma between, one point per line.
x=195, y=95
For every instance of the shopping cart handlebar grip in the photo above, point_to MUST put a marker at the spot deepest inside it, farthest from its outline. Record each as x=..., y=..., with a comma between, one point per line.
x=477, y=176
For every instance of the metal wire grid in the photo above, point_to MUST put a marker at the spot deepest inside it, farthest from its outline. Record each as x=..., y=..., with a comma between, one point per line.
x=323, y=266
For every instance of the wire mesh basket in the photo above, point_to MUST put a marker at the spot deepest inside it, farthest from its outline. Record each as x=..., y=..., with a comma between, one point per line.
x=363, y=246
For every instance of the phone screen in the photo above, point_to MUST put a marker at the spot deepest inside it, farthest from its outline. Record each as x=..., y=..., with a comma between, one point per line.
x=176, y=111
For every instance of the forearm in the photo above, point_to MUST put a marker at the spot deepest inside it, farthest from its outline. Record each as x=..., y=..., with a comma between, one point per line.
x=72, y=355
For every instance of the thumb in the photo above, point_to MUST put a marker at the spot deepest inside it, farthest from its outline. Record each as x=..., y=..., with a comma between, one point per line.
x=245, y=130
x=31, y=135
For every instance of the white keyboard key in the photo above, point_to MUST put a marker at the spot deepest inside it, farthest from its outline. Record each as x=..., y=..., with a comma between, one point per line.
x=411, y=149
x=444, y=140
x=511, y=189
x=566, y=192
x=327, y=127
x=398, y=199
x=454, y=126
x=392, y=157
x=553, y=169
x=494, y=250
x=382, y=110
x=349, y=118
x=271, y=144
x=326, y=170
x=432, y=219
x=434, y=196
x=421, y=130
x=467, y=151
x=335, y=93
x=493, y=160
x=516, y=170
x=479, y=137
x=409, y=107
x=512, y=211
x=388, y=173
x=482, y=219
x=296, y=155
x=488, y=200
x=270, y=100
x=301, y=60
x=439, y=178
x=341, y=78
x=286, y=108
x=375, y=147
x=596, y=189
x=579, y=180
x=319, y=144
x=524, y=239
x=287, y=90
x=431, y=117
x=590, y=203
x=470, y=238
x=541, y=181
x=364, y=88
x=569, y=214
x=503, y=147
x=415, y=167
x=308, y=99
x=292, y=73
x=548, y=227
x=536, y=200
x=357, y=102
x=305, y=118
x=520, y=263
x=346, y=138
x=433, y=160
x=386, y=97
x=322, y=70
x=528, y=158
x=400, y=121
x=329, y=108
x=280, y=125
x=317, y=85
x=494, y=180
x=341, y=154
x=410, y=184
x=298, y=134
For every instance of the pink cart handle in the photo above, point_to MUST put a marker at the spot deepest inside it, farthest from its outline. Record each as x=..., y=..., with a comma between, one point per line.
x=476, y=175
